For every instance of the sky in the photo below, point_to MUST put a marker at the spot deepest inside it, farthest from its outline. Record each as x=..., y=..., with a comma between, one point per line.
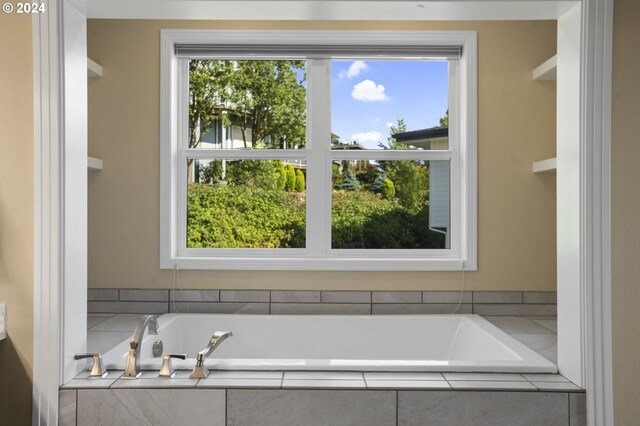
x=368, y=96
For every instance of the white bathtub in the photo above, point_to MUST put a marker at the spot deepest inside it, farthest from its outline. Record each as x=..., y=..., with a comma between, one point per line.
x=332, y=342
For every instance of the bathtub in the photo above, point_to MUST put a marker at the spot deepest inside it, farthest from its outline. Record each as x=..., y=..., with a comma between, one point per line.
x=338, y=342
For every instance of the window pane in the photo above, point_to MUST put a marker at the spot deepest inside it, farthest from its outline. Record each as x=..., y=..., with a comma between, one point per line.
x=246, y=204
x=373, y=100
x=242, y=104
x=391, y=205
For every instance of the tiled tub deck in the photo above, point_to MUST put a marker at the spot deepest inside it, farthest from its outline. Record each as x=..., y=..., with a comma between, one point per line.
x=329, y=398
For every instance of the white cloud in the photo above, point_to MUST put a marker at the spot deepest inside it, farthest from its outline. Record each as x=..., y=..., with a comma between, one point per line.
x=369, y=91
x=369, y=139
x=354, y=69
x=389, y=124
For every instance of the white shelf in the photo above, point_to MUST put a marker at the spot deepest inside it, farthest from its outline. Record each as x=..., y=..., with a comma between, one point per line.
x=547, y=70
x=545, y=166
x=93, y=68
x=94, y=163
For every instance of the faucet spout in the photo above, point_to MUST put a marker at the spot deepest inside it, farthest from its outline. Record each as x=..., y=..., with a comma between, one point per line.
x=132, y=366
x=200, y=371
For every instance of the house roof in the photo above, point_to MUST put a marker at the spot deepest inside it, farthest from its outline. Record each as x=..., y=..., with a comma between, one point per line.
x=423, y=138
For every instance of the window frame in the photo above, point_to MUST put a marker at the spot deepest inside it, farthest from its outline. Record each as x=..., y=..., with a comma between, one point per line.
x=318, y=254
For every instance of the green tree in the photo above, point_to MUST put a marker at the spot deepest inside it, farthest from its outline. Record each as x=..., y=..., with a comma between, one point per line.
x=349, y=181
x=253, y=173
x=444, y=121
x=388, y=189
x=281, y=176
x=300, y=183
x=378, y=182
x=290, y=184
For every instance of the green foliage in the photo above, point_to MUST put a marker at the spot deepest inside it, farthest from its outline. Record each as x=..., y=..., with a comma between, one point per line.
x=300, y=183
x=243, y=217
x=266, y=97
x=282, y=175
x=211, y=172
x=378, y=182
x=349, y=181
x=252, y=173
x=388, y=189
x=290, y=183
x=444, y=121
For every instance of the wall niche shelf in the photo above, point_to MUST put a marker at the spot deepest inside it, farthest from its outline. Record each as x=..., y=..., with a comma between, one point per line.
x=94, y=163
x=94, y=69
x=545, y=166
x=546, y=70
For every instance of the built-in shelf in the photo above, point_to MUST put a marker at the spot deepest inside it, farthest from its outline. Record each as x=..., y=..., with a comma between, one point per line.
x=547, y=70
x=545, y=166
x=94, y=163
x=93, y=68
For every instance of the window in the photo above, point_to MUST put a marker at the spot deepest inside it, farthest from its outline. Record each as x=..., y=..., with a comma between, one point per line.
x=318, y=150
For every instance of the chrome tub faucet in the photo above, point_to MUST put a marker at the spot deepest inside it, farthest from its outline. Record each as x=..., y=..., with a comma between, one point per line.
x=200, y=371
x=132, y=366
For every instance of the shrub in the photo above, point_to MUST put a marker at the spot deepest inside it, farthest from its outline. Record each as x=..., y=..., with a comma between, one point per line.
x=254, y=173
x=290, y=183
x=388, y=190
x=281, y=176
x=300, y=184
x=349, y=181
x=378, y=182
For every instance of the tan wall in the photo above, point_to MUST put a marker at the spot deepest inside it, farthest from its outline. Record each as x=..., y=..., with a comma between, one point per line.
x=16, y=217
x=516, y=127
x=625, y=228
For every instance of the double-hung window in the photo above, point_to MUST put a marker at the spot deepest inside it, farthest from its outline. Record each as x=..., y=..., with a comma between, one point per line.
x=318, y=150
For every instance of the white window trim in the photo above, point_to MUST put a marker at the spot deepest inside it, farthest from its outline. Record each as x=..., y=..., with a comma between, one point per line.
x=464, y=215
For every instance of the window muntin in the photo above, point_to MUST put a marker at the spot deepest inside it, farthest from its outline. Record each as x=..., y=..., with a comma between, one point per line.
x=319, y=156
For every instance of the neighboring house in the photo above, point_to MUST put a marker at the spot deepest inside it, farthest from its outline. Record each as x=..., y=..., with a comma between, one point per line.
x=439, y=175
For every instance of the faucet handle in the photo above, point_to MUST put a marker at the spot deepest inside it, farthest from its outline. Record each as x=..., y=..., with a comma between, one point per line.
x=166, y=371
x=97, y=370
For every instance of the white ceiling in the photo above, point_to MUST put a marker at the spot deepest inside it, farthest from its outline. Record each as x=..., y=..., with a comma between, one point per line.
x=324, y=10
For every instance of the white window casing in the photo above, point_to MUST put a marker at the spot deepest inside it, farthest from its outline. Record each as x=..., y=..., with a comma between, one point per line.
x=318, y=255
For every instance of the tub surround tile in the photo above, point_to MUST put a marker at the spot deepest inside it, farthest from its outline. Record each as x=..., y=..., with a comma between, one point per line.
x=67, y=407
x=521, y=309
x=408, y=384
x=497, y=297
x=374, y=375
x=153, y=382
x=446, y=297
x=577, y=409
x=246, y=374
x=517, y=325
x=244, y=296
x=82, y=381
x=102, y=294
x=279, y=296
x=419, y=309
x=544, y=344
x=346, y=297
x=298, y=407
x=551, y=324
x=324, y=384
x=557, y=387
x=220, y=308
x=495, y=377
x=546, y=378
x=194, y=295
x=158, y=407
x=102, y=341
x=239, y=383
x=496, y=385
x=95, y=319
x=322, y=375
x=122, y=307
x=121, y=322
x=540, y=297
x=144, y=295
x=396, y=297
x=455, y=408
x=320, y=309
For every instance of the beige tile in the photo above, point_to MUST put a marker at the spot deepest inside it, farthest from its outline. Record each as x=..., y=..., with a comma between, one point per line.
x=453, y=408
x=306, y=407
x=158, y=407
x=67, y=407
